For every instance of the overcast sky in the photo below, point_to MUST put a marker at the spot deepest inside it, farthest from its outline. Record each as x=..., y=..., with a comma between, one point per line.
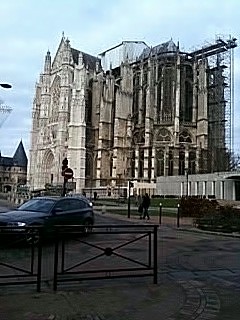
x=29, y=28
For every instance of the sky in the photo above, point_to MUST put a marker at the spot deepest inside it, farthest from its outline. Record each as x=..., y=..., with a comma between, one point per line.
x=30, y=28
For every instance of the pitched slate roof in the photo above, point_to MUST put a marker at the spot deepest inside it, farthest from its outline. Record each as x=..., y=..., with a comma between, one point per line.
x=20, y=158
x=166, y=47
x=87, y=58
x=6, y=161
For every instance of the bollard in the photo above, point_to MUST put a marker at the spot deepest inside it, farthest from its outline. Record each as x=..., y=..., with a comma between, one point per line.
x=160, y=213
x=178, y=214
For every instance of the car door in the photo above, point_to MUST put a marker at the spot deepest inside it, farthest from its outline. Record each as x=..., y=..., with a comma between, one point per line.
x=69, y=211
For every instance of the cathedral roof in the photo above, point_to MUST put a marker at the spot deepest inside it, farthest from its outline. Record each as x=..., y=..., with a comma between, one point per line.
x=6, y=161
x=166, y=47
x=20, y=158
x=87, y=58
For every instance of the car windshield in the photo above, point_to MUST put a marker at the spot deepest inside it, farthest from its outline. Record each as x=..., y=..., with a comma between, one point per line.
x=37, y=205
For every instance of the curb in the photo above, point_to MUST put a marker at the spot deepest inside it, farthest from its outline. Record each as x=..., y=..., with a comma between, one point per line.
x=230, y=235
x=193, y=230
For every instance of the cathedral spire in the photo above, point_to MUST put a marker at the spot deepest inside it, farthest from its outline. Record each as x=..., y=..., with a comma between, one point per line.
x=47, y=65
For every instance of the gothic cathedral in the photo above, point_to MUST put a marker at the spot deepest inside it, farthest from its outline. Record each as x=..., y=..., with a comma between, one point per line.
x=133, y=113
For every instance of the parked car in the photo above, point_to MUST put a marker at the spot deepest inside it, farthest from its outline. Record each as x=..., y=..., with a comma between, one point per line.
x=50, y=211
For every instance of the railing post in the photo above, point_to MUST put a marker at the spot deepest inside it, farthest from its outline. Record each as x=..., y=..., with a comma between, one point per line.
x=178, y=215
x=155, y=258
x=55, y=261
x=160, y=213
x=39, y=267
x=129, y=204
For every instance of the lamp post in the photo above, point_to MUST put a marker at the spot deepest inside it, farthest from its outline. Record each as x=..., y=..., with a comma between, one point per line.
x=178, y=215
x=130, y=185
x=187, y=172
x=160, y=213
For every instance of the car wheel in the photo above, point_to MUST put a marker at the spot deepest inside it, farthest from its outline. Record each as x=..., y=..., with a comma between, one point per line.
x=87, y=227
x=32, y=237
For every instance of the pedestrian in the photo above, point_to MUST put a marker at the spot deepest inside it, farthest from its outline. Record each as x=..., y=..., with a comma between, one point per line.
x=146, y=204
x=139, y=204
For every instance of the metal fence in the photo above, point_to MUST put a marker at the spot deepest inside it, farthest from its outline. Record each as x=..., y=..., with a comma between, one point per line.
x=20, y=258
x=110, y=251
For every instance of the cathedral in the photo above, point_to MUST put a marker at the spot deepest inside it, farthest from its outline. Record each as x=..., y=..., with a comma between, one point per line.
x=133, y=113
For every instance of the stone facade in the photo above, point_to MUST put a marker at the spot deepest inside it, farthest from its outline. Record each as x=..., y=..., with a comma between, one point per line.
x=133, y=113
x=13, y=171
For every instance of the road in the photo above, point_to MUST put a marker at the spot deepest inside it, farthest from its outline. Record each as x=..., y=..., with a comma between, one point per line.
x=205, y=268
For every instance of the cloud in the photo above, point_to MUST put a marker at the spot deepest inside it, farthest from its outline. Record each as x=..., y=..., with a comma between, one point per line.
x=33, y=27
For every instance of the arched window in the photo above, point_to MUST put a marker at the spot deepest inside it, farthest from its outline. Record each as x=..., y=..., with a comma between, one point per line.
x=141, y=163
x=133, y=159
x=192, y=162
x=160, y=162
x=167, y=104
x=55, y=100
x=164, y=136
x=89, y=165
x=181, y=166
x=49, y=167
x=188, y=101
x=170, y=163
x=185, y=137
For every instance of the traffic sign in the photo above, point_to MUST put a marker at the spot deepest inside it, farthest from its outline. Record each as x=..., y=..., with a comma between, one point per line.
x=68, y=173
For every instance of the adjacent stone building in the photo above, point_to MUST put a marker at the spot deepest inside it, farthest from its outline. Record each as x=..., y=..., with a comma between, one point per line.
x=13, y=171
x=133, y=113
x=217, y=185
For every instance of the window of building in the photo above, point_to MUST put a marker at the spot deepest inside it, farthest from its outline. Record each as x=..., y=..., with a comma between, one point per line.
x=160, y=162
x=185, y=137
x=181, y=164
x=192, y=162
x=133, y=165
x=150, y=163
x=170, y=163
x=141, y=163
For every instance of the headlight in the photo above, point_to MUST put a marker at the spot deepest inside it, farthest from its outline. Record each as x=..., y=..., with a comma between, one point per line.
x=17, y=224
x=21, y=224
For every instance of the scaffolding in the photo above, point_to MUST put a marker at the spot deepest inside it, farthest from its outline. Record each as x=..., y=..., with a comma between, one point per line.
x=4, y=113
x=220, y=57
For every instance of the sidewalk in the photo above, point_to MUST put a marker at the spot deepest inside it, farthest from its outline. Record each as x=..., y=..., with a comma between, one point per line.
x=125, y=299
x=185, y=223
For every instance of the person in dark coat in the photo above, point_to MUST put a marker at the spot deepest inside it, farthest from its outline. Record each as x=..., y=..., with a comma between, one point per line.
x=140, y=207
x=146, y=204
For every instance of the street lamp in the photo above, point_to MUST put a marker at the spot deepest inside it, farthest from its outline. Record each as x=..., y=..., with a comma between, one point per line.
x=130, y=185
x=5, y=85
x=187, y=173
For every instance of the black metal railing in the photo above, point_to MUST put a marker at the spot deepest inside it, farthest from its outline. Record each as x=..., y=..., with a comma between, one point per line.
x=106, y=254
x=110, y=251
x=20, y=257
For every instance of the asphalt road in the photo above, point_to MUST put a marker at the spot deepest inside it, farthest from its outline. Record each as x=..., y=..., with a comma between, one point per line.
x=205, y=268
